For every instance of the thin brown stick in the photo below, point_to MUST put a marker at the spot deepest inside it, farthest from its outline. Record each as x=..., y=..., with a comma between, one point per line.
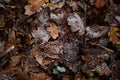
x=107, y=49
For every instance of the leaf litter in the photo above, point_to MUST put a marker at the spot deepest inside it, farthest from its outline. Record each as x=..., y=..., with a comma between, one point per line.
x=59, y=40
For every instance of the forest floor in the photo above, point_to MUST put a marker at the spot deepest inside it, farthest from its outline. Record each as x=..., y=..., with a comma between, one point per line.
x=59, y=40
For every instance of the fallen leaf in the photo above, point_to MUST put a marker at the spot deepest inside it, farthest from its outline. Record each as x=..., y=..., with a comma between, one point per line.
x=113, y=35
x=53, y=29
x=74, y=5
x=104, y=70
x=47, y=61
x=76, y=23
x=28, y=10
x=36, y=54
x=100, y=3
x=96, y=31
x=23, y=75
x=40, y=34
x=15, y=60
x=39, y=76
x=12, y=41
x=52, y=6
x=34, y=6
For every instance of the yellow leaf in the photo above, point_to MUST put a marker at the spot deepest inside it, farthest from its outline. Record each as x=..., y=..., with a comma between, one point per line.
x=113, y=35
x=52, y=6
x=53, y=29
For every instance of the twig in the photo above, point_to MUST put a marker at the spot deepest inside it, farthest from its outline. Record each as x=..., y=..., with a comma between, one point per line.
x=107, y=49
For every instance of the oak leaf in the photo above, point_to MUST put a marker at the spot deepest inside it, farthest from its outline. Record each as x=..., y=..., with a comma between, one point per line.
x=113, y=35
x=53, y=29
x=34, y=6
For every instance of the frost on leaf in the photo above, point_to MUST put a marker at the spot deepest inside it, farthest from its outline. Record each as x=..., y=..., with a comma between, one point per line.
x=113, y=35
x=34, y=6
x=53, y=29
x=76, y=23
x=41, y=34
x=96, y=31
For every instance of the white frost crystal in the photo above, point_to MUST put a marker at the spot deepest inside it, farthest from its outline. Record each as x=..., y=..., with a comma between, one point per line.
x=76, y=23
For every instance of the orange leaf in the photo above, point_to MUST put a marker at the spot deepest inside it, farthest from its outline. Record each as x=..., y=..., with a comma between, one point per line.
x=113, y=35
x=100, y=3
x=34, y=6
x=53, y=29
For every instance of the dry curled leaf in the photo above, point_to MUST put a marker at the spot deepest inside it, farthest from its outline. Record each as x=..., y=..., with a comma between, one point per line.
x=113, y=35
x=53, y=29
x=34, y=6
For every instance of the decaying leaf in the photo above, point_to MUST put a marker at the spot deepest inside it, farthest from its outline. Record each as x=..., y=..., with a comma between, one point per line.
x=47, y=61
x=74, y=5
x=96, y=31
x=39, y=76
x=15, y=60
x=41, y=34
x=52, y=49
x=113, y=35
x=34, y=6
x=53, y=29
x=104, y=69
x=28, y=10
x=38, y=57
x=76, y=23
x=12, y=41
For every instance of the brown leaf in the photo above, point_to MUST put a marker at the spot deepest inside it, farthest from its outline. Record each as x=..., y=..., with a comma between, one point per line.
x=12, y=41
x=38, y=57
x=53, y=29
x=113, y=35
x=39, y=76
x=47, y=61
x=34, y=6
x=15, y=60
x=100, y=3
x=52, y=6
x=28, y=10
x=23, y=75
